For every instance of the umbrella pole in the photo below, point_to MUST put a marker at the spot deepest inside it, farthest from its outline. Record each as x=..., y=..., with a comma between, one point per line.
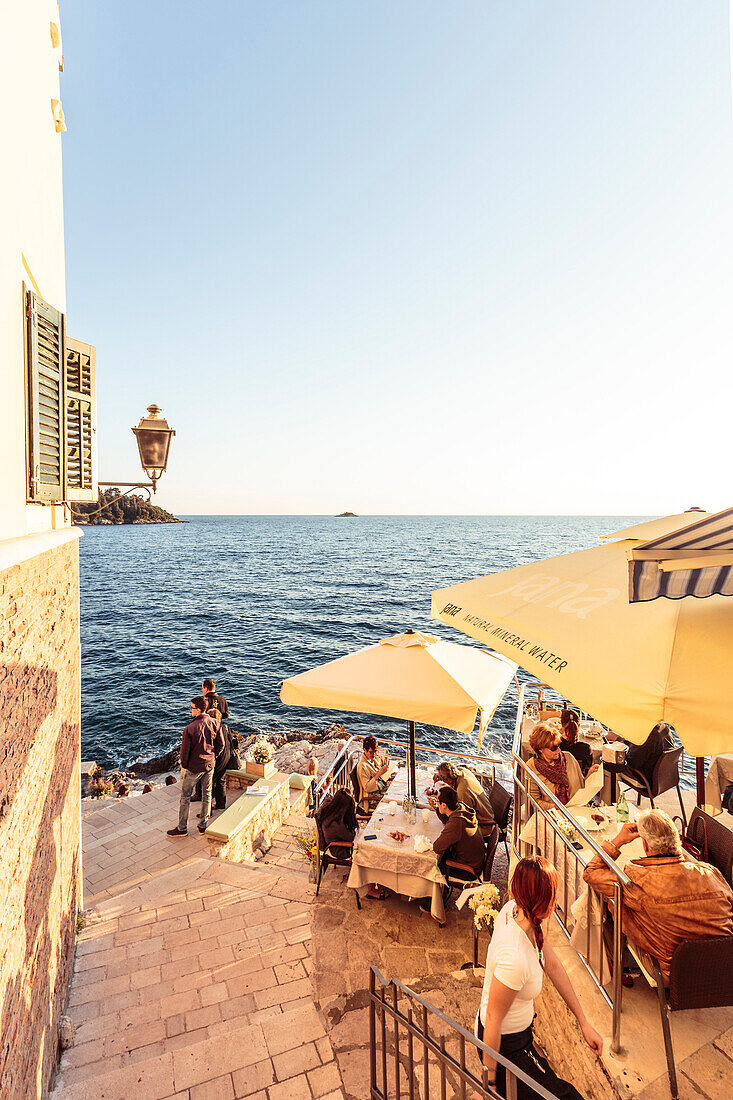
x=700, y=779
x=412, y=784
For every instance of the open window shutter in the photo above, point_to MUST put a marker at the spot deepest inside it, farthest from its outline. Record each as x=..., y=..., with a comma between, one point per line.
x=46, y=359
x=80, y=406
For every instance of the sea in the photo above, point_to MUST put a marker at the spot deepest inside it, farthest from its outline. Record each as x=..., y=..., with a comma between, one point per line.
x=251, y=600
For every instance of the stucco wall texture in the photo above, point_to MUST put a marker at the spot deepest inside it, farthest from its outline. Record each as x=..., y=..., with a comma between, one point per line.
x=40, y=832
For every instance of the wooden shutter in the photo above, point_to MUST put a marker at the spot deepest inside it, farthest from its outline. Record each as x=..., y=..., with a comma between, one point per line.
x=46, y=379
x=80, y=424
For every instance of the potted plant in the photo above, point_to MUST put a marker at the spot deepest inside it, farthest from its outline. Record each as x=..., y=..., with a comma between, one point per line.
x=259, y=759
x=485, y=905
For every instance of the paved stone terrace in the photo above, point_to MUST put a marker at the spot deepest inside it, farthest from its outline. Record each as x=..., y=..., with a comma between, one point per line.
x=191, y=979
x=199, y=979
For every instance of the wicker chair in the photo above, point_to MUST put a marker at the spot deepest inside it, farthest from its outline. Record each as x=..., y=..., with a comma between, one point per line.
x=338, y=853
x=701, y=976
x=372, y=799
x=719, y=841
x=501, y=804
x=665, y=776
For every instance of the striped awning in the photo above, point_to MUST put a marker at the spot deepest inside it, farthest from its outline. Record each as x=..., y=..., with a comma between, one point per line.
x=695, y=560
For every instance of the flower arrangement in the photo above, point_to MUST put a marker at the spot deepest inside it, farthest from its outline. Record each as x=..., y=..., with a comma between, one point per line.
x=566, y=827
x=261, y=752
x=308, y=846
x=485, y=905
x=100, y=788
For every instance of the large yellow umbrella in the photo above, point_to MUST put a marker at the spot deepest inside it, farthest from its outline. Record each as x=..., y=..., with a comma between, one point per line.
x=568, y=620
x=413, y=676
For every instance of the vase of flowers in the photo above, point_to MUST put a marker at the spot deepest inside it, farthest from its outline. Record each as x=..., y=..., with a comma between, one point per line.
x=308, y=845
x=259, y=759
x=485, y=905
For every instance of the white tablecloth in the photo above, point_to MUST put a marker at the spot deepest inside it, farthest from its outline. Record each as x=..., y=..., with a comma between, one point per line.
x=397, y=865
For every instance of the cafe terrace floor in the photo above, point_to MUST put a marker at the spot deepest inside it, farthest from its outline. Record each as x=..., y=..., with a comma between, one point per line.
x=199, y=979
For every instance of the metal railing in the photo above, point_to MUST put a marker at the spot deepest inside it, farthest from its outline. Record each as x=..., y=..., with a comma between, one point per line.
x=339, y=772
x=559, y=848
x=412, y=1051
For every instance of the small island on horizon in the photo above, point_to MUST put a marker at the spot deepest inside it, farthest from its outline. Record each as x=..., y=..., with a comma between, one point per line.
x=119, y=510
x=347, y=515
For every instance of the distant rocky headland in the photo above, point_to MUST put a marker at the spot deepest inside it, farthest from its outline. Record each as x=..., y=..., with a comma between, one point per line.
x=119, y=509
x=347, y=515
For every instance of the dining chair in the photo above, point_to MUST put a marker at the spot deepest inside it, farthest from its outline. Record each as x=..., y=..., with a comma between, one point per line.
x=701, y=976
x=665, y=777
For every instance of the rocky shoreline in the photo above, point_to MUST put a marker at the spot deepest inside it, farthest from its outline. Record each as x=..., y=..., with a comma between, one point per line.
x=292, y=751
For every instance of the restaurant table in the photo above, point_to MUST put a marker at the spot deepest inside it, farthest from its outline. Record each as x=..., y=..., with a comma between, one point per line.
x=573, y=897
x=397, y=865
x=590, y=732
x=720, y=774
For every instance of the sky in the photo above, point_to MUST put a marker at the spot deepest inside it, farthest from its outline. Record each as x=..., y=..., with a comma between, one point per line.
x=406, y=257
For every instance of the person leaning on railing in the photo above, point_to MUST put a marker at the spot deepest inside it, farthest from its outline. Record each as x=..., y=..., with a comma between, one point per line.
x=671, y=897
x=516, y=963
x=469, y=791
x=558, y=770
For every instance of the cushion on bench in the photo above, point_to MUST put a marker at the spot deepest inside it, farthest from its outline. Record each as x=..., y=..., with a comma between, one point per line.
x=236, y=816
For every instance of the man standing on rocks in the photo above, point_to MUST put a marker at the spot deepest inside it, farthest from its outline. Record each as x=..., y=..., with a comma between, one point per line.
x=213, y=700
x=202, y=741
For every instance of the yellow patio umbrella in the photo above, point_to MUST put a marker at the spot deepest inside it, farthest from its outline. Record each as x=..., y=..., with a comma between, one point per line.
x=413, y=676
x=568, y=620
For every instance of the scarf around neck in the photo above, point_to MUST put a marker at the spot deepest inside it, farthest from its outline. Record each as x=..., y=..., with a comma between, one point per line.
x=557, y=774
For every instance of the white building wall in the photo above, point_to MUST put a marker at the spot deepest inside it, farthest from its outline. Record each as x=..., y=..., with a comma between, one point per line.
x=31, y=229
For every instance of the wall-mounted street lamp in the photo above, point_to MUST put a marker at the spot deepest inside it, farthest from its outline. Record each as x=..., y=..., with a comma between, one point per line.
x=153, y=443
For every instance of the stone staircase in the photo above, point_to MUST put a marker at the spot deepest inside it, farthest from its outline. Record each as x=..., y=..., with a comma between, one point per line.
x=193, y=983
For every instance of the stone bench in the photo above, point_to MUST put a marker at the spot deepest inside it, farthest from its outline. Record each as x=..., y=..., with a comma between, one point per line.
x=253, y=819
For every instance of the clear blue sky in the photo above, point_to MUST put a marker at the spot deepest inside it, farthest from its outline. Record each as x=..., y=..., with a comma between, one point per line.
x=466, y=257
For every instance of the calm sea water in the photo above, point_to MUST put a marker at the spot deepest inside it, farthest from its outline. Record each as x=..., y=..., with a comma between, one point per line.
x=250, y=600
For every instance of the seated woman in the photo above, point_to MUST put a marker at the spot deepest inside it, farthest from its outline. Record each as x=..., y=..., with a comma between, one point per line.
x=369, y=772
x=337, y=825
x=558, y=770
x=516, y=963
x=337, y=818
x=470, y=793
x=570, y=726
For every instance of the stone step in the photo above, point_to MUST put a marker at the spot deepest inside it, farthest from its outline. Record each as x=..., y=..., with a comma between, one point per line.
x=255, y=1055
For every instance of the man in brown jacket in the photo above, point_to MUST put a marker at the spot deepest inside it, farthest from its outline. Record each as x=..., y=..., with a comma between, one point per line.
x=461, y=838
x=671, y=897
x=201, y=743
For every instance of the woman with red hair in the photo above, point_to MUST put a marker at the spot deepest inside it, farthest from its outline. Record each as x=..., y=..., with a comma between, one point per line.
x=516, y=962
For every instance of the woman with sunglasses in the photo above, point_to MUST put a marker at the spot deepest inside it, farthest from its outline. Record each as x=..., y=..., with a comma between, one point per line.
x=558, y=770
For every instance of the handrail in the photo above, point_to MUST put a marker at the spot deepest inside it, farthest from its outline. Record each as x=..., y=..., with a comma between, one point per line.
x=521, y=775
x=536, y=778
x=336, y=768
x=421, y=1033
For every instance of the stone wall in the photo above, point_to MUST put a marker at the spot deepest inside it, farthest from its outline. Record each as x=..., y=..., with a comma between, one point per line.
x=261, y=827
x=40, y=835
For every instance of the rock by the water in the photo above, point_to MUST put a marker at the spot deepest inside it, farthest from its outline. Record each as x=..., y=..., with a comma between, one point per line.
x=164, y=763
x=147, y=788
x=170, y=780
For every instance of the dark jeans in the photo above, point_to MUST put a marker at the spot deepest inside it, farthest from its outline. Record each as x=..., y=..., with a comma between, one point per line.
x=518, y=1047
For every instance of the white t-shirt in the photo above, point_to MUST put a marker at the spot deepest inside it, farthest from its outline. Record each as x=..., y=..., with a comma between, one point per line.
x=513, y=959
